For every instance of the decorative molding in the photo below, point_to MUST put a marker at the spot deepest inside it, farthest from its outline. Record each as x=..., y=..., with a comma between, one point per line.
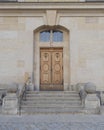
x=52, y=5
x=62, y=9
x=41, y=13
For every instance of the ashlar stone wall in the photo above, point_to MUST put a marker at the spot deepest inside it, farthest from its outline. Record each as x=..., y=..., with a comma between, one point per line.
x=16, y=47
x=86, y=47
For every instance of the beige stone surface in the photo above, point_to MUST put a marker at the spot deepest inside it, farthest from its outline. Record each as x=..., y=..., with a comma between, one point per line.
x=16, y=47
x=92, y=101
x=86, y=49
x=51, y=17
x=83, y=45
x=10, y=104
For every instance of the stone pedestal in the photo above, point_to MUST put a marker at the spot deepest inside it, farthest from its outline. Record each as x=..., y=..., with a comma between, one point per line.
x=102, y=110
x=102, y=98
x=10, y=104
x=31, y=87
x=92, y=104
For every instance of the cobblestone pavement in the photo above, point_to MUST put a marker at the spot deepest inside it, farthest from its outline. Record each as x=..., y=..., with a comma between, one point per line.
x=52, y=122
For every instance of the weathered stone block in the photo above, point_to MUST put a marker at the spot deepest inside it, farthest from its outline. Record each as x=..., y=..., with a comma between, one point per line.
x=92, y=104
x=80, y=86
x=102, y=98
x=90, y=87
x=92, y=101
x=31, y=87
x=10, y=104
x=102, y=110
x=10, y=88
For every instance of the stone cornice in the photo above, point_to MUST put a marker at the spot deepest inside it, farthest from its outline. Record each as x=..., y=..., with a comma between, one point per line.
x=52, y=6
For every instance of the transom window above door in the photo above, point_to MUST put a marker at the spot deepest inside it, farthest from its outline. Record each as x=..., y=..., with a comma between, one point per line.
x=51, y=36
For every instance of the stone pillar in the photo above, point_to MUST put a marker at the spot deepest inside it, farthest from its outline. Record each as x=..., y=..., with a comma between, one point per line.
x=10, y=104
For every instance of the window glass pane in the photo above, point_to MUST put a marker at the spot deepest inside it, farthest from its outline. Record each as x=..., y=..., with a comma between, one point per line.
x=57, y=36
x=45, y=36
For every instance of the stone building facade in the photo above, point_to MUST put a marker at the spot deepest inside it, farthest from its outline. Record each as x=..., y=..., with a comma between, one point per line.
x=55, y=42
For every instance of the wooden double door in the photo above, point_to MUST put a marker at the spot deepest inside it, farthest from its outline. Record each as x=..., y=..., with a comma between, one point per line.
x=51, y=69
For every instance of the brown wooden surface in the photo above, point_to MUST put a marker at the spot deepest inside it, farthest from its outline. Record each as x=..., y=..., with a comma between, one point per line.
x=51, y=72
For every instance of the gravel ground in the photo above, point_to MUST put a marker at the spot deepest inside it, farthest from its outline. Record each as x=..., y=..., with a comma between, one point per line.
x=52, y=122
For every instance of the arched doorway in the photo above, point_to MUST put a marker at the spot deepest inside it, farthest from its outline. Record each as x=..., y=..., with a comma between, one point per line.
x=51, y=59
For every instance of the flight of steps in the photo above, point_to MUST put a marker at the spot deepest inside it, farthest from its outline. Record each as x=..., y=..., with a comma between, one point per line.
x=51, y=102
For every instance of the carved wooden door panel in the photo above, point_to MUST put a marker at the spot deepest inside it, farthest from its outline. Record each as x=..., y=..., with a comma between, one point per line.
x=51, y=71
x=57, y=67
x=45, y=67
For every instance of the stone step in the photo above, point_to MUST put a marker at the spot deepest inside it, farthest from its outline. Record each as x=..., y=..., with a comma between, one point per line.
x=52, y=101
x=50, y=105
x=52, y=98
x=53, y=95
x=52, y=110
x=51, y=92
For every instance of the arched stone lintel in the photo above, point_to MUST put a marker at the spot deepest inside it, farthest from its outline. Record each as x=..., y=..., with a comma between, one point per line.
x=43, y=27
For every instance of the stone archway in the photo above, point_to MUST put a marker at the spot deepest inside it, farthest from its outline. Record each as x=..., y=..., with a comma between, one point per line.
x=62, y=80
